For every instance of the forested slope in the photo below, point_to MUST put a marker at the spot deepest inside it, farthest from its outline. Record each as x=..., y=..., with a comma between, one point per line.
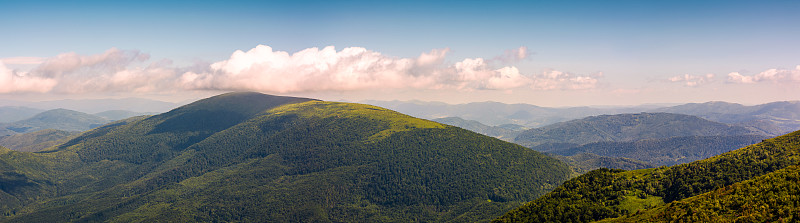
x=254, y=157
x=606, y=193
x=774, y=197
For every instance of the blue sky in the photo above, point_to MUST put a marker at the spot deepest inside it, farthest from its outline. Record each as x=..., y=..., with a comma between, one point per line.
x=574, y=52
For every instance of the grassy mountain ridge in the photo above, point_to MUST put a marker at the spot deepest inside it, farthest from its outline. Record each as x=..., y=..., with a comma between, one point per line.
x=606, y=193
x=276, y=158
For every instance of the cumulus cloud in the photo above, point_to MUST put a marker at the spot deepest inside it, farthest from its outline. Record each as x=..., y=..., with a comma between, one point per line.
x=355, y=68
x=772, y=75
x=692, y=80
x=267, y=70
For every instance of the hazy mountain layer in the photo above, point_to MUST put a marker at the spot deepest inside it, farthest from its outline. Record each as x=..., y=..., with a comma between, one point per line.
x=495, y=113
x=61, y=119
x=667, y=151
x=776, y=117
x=627, y=127
x=506, y=133
x=13, y=114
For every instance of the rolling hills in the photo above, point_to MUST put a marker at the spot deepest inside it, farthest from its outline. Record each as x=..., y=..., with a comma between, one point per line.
x=505, y=132
x=666, y=192
x=61, y=119
x=255, y=157
x=36, y=141
x=16, y=113
x=666, y=151
x=777, y=117
x=659, y=139
x=627, y=127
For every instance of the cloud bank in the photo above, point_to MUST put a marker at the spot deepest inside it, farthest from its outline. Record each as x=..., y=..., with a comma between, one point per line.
x=356, y=68
x=771, y=75
x=267, y=70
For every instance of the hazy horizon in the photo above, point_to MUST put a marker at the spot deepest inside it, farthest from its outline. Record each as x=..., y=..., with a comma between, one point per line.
x=550, y=54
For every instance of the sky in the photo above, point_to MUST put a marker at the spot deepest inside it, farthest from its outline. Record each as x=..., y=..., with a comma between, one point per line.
x=547, y=53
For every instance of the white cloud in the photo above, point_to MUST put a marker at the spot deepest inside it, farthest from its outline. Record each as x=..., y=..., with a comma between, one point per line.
x=114, y=70
x=773, y=75
x=553, y=79
x=692, y=80
x=266, y=70
x=12, y=81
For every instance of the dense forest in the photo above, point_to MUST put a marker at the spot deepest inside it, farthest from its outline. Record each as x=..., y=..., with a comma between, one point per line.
x=774, y=197
x=607, y=193
x=254, y=157
x=585, y=162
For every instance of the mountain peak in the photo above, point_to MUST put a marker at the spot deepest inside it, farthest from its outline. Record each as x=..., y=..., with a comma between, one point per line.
x=221, y=111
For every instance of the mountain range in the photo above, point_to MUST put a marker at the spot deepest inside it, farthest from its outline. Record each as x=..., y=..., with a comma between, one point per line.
x=253, y=157
x=256, y=157
x=775, y=118
x=92, y=106
x=627, y=127
x=61, y=119
x=505, y=132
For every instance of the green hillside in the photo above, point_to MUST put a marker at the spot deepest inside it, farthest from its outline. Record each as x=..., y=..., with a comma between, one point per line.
x=606, y=193
x=585, y=162
x=254, y=157
x=36, y=141
x=774, y=197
